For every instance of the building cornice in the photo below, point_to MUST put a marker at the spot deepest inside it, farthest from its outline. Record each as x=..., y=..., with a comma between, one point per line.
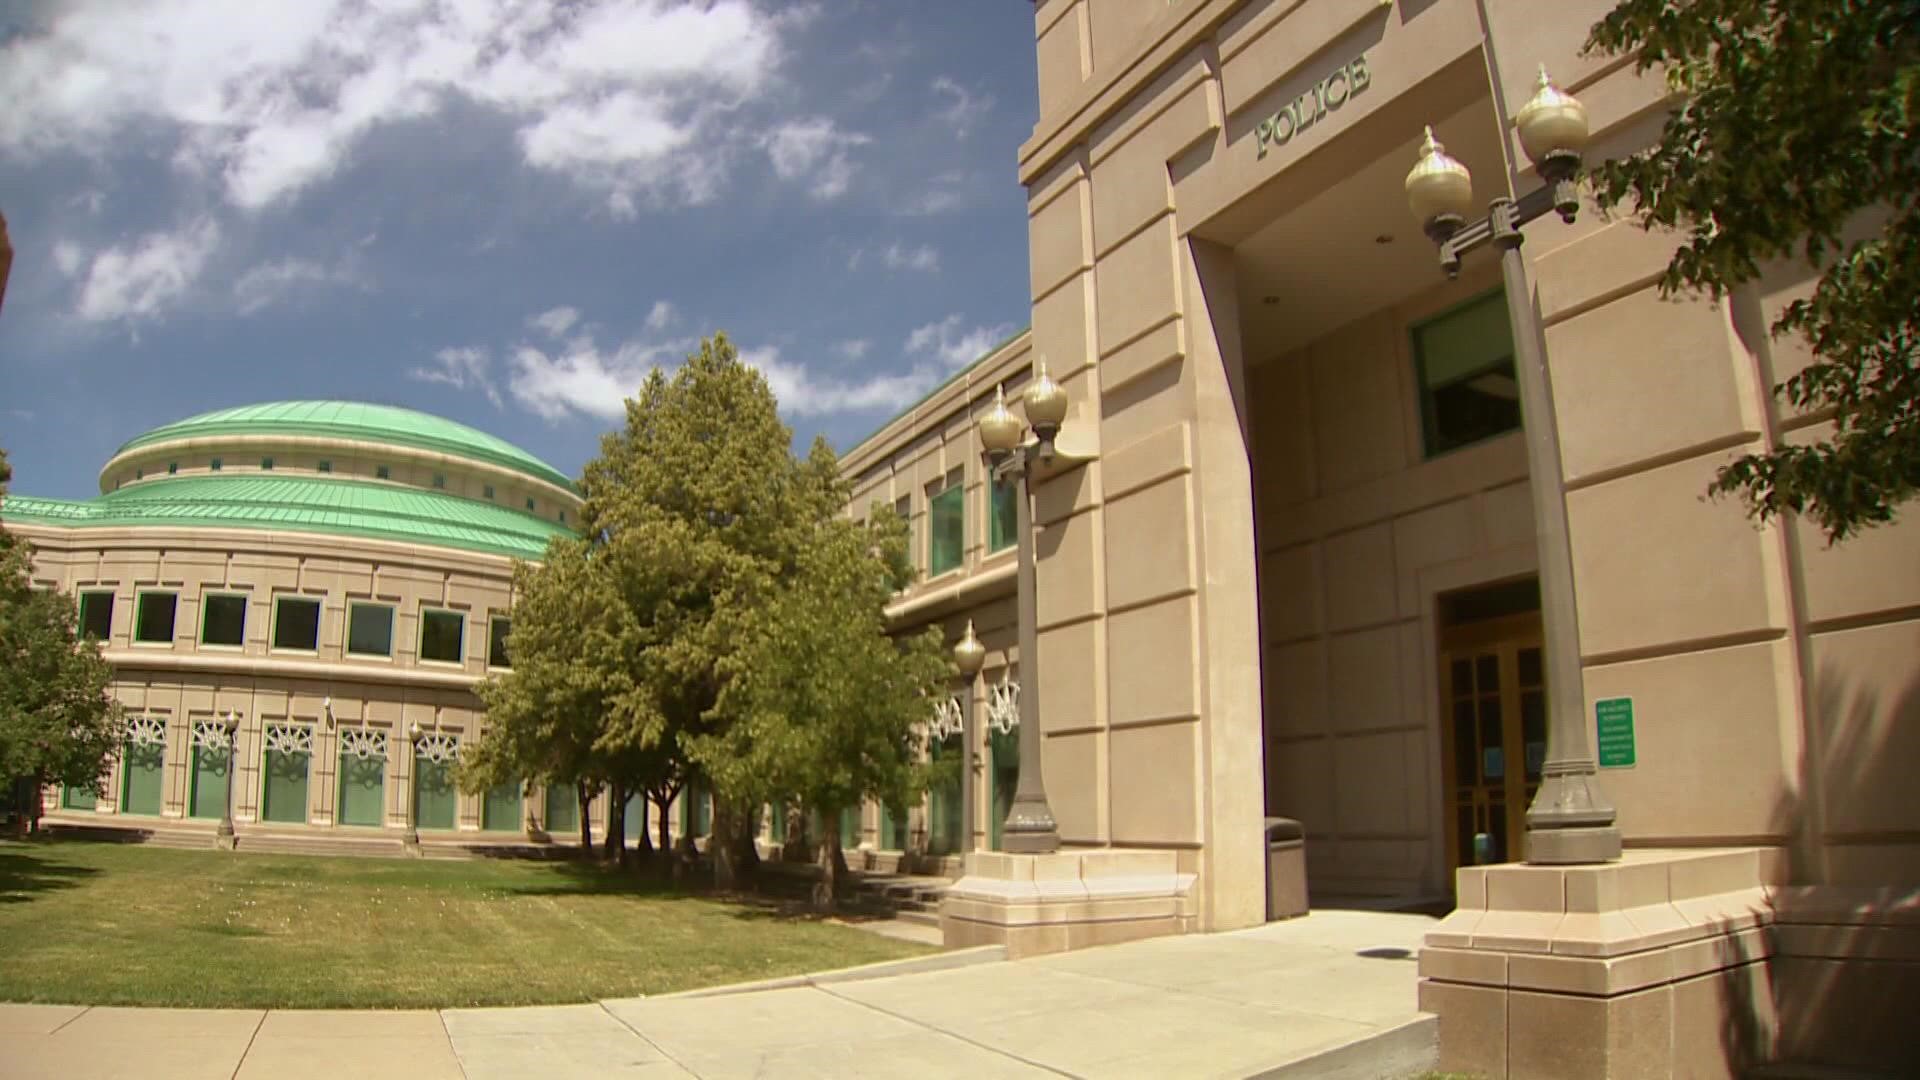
x=125, y=661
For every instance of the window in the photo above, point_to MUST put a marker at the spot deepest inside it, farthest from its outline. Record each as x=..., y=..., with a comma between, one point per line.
x=563, y=517
x=1003, y=513
x=223, y=619
x=486, y=492
x=497, y=631
x=96, y=615
x=903, y=509
x=381, y=472
x=1464, y=359
x=529, y=504
x=325, y=465
x=946, y=525
x=139, y=474
x=296, y=623
x=266, y=464
x=440, y=634
x=370, y=629
x=153, y=618
x=216, y=465
x=172, y=467
x=440, y=480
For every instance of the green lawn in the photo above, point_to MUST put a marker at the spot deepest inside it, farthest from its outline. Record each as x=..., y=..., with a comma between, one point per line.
x=112, y=924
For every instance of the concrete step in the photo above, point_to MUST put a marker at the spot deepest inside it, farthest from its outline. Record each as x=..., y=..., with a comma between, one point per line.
x=920, y=918
x=1803, y=1071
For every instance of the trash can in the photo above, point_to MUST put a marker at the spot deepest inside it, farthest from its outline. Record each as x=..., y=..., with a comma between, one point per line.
x=1286, y=869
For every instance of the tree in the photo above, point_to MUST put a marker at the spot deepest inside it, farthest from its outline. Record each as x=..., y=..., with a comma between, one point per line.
x=545, y=717
x=58, y=723
x=1798, y=125
x=700, y=503
x=823, y=703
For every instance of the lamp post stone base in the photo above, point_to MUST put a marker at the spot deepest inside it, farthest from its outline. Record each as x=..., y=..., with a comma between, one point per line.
x=1573, y=847
x=1045, y=903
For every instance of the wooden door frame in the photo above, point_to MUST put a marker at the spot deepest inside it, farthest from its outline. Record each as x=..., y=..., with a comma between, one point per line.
x=1507, y=635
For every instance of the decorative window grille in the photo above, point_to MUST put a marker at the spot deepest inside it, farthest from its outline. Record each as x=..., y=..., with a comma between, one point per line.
x=290, y=738
x=438, y=747
x=948, y=719
x=1003, y=705
x=363, y=743
x=147, y=730
x=209, y=735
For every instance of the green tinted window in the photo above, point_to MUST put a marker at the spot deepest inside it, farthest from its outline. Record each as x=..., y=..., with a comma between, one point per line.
x=153, y=621
x=497, y=632
x=223, y=620
x=325, y=465
x=96, y=615
x=440, y=635
x=946, y=529
x=266, y=463
x=370, y=630
x=296, y=623
x=1467, y=387
x=1003, y=514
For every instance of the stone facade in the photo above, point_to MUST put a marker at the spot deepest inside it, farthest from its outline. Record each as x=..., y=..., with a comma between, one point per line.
x=1273, y=590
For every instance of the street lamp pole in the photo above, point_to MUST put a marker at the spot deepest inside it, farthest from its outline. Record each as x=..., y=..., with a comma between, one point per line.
x=230, y=725
x=1029, y=828
x=411, y=841
x=968, y=656
x=1571, y=821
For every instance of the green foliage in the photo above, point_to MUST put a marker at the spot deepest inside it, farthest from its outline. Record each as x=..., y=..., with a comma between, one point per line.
x=58, y=724
x=1796, y=135
x=643, y=652
x=824, y=705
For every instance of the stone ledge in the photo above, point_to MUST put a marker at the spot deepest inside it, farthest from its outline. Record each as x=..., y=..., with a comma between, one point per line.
x=1036, y=904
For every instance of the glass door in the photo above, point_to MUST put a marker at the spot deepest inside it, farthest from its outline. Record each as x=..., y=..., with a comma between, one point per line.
x=1494, y=719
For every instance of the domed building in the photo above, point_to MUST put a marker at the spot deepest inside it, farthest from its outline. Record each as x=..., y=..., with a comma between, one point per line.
x=331, y=577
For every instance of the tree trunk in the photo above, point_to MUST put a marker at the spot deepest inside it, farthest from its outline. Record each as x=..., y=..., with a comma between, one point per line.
x=661, y=801
x=735, y=859
x=615, y=847
x=643, y=840
x=586, y=817
x=833, y=870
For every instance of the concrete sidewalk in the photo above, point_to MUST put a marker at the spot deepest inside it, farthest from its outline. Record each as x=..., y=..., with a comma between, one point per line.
x=1332, y=994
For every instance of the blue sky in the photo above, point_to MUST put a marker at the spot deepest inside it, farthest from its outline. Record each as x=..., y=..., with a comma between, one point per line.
x=499, y=212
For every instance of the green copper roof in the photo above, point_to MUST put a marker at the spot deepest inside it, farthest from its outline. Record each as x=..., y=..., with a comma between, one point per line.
x=361, y=422
x=336, y=507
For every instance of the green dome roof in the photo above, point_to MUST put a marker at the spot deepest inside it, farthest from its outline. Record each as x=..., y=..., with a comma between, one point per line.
x=337, y=507
x=358, y=421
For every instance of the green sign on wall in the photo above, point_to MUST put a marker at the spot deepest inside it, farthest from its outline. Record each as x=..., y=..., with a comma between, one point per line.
x=1613, y=721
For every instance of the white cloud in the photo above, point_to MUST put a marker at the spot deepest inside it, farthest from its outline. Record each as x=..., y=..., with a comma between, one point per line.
x=661, y=316
x=137, y=280
x=813, y=150
x=899, y=257
x=964, y=110
x=67, y=256
x=941, y=194
x=636, y=100
x=555, y=321
x=581, y=378
x=955, y=345
x=853, y=349
x=271, y=282
x=802, y=393
x=461, y=368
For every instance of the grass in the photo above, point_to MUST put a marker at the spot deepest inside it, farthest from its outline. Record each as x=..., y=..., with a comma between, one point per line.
x=112, y=924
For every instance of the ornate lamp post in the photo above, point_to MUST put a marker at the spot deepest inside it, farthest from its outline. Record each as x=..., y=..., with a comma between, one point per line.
x=1570, y=821
x=231, y=725
x=411, y=841
x=1030, y=827
x=968, y=655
